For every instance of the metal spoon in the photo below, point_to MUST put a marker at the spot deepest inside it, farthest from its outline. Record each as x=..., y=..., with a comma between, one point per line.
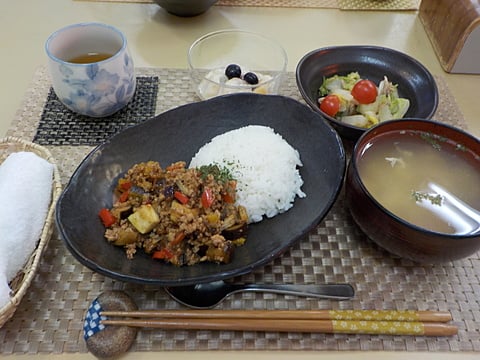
x=209, y=295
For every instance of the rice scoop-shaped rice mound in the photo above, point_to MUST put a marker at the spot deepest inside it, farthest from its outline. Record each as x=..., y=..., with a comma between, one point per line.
x=264, y=165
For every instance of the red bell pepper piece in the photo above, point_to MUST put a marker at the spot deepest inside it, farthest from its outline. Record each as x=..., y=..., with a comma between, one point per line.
x=125, y=185
x=124, y=196
x=207, y=198
x=230, y=194
x=107, y=218
x=163, y=254
x=178, y=238
x=180, y=197
x=228, y=198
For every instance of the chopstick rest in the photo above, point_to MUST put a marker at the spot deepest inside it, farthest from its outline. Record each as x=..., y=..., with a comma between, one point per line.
x=116, y=313
x=108, y=341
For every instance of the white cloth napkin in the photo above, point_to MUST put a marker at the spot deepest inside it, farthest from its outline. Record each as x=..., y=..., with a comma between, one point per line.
x=25, y=195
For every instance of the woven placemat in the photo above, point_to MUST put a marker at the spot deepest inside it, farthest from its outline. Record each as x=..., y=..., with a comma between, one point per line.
x=59, y=126
x=49, y=319
x=379, y=4
x=332, y=4
x=259, y=3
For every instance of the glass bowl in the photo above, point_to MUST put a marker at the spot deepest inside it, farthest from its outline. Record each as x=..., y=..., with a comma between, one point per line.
x=210, y=55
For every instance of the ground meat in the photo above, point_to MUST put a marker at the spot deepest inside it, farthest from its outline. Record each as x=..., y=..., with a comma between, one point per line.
x=176, y=214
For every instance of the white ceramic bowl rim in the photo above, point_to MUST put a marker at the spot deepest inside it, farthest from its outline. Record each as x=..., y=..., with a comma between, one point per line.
x=85, y=24
x=274, y=74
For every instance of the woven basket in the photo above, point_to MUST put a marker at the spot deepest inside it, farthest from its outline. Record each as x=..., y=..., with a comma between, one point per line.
x=22, y=281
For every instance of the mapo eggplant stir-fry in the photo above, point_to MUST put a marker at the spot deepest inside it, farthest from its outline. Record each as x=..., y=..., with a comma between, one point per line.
x=179, y=215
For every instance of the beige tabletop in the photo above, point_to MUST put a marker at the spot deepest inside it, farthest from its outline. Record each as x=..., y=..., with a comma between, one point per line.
x=159, y=40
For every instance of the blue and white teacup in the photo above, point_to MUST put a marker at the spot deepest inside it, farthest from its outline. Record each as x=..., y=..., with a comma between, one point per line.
x=91, y=69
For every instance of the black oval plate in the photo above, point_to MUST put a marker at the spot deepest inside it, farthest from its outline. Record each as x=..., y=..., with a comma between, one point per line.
x=177, y=135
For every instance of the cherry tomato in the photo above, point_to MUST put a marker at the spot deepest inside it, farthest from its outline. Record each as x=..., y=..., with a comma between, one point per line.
x=364, y=91
x=330, y=105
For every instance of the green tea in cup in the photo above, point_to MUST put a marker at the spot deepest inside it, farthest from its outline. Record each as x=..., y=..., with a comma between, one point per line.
x=91, y=69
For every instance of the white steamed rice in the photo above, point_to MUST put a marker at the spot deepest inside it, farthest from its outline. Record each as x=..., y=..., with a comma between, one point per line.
x=264, y=165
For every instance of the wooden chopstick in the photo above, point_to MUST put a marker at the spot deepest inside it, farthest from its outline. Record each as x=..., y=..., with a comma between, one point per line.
x=370, y=315
x=288, y=325
x=391, y=322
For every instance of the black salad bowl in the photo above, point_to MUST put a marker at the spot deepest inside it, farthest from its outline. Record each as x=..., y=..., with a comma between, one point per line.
x=414, y=80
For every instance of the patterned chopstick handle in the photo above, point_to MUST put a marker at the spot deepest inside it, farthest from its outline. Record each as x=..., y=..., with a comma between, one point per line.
x=390, y=315
x=376, y=327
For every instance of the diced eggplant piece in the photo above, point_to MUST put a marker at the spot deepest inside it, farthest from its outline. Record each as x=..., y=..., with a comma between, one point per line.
x=242, y=214
x=144, y=219
x=126, y=236
x=122, y=211
x=183, y=189
x=236, y=231
x=221, y=254
x=228, y=222
x=213, y=219
x=178, y=210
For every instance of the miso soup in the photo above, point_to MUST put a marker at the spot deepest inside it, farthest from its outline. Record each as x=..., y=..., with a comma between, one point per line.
x=425, y=180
